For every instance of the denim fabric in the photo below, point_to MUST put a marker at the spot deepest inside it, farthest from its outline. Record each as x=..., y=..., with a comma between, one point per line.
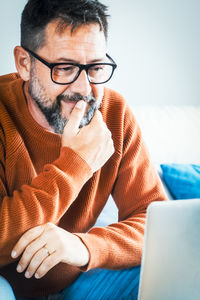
x=100, y=284
x=6, y=292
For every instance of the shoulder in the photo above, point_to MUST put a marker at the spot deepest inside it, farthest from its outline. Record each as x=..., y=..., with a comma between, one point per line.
x=113, y=97
x=6, y=84
x=10, y=92
x=119, y=119
x=10, y=85
x=8, y=78
x=115, y=108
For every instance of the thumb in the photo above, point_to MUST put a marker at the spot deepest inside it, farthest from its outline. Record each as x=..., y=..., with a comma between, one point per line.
x=72, y=126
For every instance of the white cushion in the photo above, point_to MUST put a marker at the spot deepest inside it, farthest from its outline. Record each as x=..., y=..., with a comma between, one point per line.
x=172, y=133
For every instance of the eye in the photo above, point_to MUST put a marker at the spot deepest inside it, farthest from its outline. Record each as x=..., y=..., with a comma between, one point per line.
x=64, y=69
x=97, y=68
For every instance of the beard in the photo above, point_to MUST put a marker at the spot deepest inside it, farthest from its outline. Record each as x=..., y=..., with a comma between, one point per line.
x=52, y=110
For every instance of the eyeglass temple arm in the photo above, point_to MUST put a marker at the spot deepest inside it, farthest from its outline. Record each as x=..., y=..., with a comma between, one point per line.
x=38, y=57
x=108, y=56
x=49, y=64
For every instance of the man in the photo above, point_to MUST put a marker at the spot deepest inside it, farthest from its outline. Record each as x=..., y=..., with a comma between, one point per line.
x=66, y=143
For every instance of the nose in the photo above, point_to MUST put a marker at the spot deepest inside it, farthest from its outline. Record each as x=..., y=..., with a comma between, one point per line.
x=81, y=85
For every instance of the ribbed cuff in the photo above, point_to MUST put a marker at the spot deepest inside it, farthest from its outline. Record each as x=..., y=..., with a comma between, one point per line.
x=69, y=161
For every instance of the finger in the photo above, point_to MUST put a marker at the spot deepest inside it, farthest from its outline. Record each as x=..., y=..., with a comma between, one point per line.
x=98, y=116
x=97, y=119
x=30, y=251
x=47, y=264
x=76, y=115
x=36, y=261
x=26, y=239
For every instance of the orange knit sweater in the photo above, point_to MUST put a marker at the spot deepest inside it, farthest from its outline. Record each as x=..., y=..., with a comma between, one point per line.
x=42, y=182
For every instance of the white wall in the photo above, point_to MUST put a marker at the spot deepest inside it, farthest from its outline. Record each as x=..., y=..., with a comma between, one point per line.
x=156, y=44
x=10, y=14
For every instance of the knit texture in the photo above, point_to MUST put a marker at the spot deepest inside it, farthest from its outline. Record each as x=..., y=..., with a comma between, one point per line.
x=41, y=182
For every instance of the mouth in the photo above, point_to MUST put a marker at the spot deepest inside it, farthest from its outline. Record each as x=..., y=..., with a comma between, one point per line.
x=69, y=102
x=68, y=106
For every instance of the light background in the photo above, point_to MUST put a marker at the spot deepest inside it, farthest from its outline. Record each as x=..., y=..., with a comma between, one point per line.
x=156, y=44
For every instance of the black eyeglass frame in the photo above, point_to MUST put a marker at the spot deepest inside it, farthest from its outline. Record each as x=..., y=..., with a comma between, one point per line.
x=80, y=66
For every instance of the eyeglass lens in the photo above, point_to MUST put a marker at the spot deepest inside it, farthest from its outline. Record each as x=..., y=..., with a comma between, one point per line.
x=67, y=73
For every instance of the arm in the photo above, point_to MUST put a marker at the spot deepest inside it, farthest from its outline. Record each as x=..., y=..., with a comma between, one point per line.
x=46, y=199
x=54, y=190
x=119, y=245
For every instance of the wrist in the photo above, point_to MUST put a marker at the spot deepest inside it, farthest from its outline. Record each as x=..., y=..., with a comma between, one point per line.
x=84, y=255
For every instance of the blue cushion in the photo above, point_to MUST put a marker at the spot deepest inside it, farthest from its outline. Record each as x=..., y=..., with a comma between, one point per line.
x=183, y=180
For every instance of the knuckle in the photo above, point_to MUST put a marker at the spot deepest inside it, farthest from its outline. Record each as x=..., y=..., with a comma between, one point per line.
x=103, y=129
x=27, y=237
x=46, y=265
x=108, y=138
x=49, y=230
x=42, y=270
x=49, y=226
x=98, y=115
x=29, y=250
x=111, y=148
x=109, y=134
x=35, y=261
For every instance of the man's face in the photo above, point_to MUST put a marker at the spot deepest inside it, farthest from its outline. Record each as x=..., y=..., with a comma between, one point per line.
x=85, y=45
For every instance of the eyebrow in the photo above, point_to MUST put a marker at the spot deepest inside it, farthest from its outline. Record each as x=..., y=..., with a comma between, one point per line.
x=68, y=60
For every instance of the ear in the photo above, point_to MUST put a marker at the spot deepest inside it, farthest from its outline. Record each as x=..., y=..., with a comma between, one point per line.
x=22, y=62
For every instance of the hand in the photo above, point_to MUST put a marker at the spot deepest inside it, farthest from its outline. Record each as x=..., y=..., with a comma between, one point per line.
x=92, y=142
x=41, y=253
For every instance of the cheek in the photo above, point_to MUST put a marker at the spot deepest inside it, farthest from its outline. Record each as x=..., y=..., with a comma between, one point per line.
x=55, y=90
x=52, y=89
x=98, y=91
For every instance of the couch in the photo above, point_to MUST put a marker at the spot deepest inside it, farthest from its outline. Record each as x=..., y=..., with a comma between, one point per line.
x=172, y=135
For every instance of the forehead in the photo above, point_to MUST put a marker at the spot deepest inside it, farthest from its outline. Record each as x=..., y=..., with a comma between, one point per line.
x=84, y=40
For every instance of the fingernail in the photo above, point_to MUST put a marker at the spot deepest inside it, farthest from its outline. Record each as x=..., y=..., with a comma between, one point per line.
x=13, y=253
x=37, y=276
x=19, y=268
x=80, y=104
x=27, y=274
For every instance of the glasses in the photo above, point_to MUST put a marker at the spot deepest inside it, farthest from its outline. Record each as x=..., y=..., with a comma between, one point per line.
x=66, y=73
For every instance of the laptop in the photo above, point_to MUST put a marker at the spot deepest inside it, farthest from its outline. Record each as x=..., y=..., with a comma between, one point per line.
x=170, y=267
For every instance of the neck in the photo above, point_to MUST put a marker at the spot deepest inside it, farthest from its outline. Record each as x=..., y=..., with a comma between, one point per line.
x=35, y=110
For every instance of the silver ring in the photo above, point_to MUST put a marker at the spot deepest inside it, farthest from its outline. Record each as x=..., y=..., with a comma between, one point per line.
x=47, y=251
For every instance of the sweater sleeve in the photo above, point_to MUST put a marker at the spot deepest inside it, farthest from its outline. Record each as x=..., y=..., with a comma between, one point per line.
x=46, y=199
x=120, y=245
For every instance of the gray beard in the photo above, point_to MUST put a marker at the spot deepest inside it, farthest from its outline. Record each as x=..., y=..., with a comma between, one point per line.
x=52, y=112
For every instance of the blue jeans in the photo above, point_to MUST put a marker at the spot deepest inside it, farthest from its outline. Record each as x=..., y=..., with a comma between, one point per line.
x=6, y=292
x=100, y=284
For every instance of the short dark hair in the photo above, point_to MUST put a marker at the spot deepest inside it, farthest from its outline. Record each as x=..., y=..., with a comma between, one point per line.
x=37, y=14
